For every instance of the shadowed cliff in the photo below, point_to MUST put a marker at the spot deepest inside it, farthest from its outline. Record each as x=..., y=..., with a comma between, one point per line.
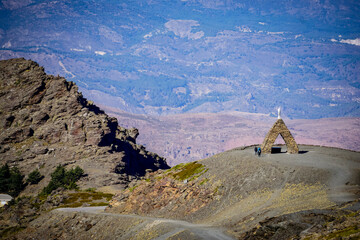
x=45, y=121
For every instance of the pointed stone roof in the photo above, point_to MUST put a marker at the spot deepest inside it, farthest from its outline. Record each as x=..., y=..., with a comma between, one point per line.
x=279, y=127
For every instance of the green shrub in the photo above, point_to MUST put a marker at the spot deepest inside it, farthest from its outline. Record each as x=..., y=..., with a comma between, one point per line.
x=4, y=178
x=11, y=180
x=63, y=178
x=34, y=177
x=16, y=184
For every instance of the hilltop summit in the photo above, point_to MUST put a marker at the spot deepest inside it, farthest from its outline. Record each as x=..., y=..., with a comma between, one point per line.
x=232, y=195
x=276, y=196
x=45, y=121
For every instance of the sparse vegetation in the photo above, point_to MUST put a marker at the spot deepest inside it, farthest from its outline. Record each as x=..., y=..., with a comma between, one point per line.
x=90, y=190
x=340, y=234
x=204, y=181
x=131, y=189
x=177, y=166
x=63, y=178
x=77, y=199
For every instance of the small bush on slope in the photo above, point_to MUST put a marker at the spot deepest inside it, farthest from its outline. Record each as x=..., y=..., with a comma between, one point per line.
x=63, y=178
x=34, y=177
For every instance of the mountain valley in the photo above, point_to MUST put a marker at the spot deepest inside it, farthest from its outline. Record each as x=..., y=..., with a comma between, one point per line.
x=159, y=57
x=189, y=137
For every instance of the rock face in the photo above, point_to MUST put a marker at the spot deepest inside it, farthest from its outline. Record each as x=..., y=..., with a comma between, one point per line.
x=279, y=127
x=45, y=121
x=163, y=197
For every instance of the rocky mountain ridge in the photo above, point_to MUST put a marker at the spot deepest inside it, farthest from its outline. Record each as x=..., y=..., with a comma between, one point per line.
x=45, y=121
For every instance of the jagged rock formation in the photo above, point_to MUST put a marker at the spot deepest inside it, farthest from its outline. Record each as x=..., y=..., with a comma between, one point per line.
x=279, y=127
x=45, y=121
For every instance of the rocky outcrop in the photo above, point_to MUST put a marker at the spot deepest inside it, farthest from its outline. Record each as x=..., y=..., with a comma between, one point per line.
x=45, y=121
x=279, y=128
x=163, y=196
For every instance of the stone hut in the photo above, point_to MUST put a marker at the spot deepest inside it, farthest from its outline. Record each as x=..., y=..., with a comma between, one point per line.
x=279, y=127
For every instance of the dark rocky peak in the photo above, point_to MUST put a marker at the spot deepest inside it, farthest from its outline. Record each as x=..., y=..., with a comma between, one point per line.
x=45, y=121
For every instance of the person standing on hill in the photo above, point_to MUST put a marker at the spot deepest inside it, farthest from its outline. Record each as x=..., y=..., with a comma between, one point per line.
x=259, y=151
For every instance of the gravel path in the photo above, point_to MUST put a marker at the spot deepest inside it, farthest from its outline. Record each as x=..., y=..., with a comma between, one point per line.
x=196, y=231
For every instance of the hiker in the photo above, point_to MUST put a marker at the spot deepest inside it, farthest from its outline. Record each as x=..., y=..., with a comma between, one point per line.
x=255, y=149
x=259, y=152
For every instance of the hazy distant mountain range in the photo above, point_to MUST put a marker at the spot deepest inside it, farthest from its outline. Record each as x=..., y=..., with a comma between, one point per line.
x=165, y=57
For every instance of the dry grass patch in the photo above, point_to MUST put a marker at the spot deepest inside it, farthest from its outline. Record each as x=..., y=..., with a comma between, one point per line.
x=188, y=171
x=78, y=199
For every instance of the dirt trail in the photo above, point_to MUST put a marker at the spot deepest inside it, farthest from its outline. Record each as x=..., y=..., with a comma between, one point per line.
x=197, y=231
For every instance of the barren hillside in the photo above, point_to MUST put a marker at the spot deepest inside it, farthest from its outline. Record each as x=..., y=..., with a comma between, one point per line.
x=234, y=194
